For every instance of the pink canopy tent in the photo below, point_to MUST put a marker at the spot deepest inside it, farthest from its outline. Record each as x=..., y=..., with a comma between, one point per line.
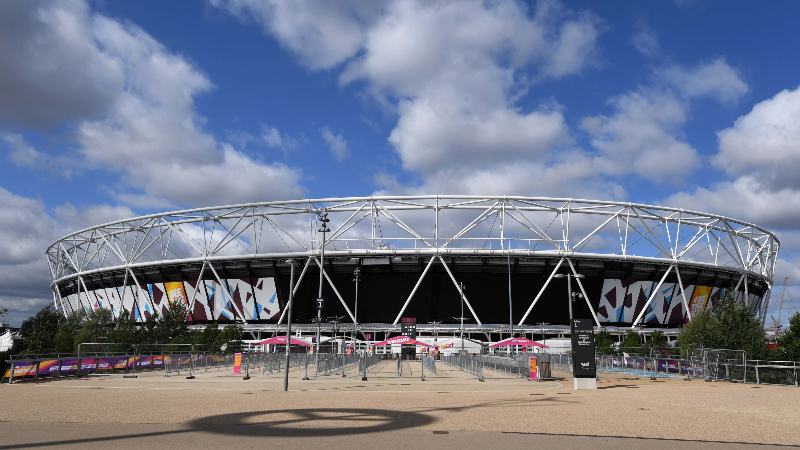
x=282, y=340
x=519, y=341
x=401, y=340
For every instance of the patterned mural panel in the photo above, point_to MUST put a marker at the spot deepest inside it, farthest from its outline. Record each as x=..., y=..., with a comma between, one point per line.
x=635, y=299
x=610, y=308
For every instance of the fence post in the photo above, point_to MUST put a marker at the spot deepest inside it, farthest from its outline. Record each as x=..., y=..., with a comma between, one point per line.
x=11, y=377
x=191, y=363
x=758, y=380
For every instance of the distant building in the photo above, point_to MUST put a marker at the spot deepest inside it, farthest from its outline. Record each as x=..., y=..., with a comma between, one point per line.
x=7, y=336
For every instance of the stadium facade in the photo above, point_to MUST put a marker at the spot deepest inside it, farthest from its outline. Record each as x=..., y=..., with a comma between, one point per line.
x=647, y=266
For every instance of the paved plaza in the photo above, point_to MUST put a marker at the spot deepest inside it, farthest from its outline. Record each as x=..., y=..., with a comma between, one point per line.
x=448, y=410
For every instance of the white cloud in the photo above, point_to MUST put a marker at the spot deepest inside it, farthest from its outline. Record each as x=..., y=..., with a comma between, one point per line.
x=716, y=79
x=645, y=40
x=24, y=155
x=336, y=143
x=146, y=126
x=457, y=69
x=273, y=138
x=643, y=136
x=52, y=70
x=761, y=151
x=453, y=71
x=322, y=33
x=645, y=133
x=433, y=133
x=74, y=219
x=745, y=198
x=766, y=141
x=27, y=230
x=570, y=174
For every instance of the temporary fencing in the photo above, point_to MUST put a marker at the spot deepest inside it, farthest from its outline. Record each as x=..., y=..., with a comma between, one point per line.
x=518, y=366
x=367, y=362
x=428, y=362
x=333, y=362
x=470, y=364
x=127, y=359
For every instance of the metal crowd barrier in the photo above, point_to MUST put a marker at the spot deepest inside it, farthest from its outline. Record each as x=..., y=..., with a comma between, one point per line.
x=334, y=362
x=367, y=362
x=428, y=362
x=37, y=366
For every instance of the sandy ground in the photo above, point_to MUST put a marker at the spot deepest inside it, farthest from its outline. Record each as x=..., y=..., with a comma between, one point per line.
x=514, y=411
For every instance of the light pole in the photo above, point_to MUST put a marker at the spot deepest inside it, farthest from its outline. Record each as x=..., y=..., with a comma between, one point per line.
x=435, y=335
x=289, y=324
x=510, y=307
x=336, y=321
x=462, y=316
x=571, y=298
x=356, y=276
x=543, y=338
x=323, y=218
x=570, y=295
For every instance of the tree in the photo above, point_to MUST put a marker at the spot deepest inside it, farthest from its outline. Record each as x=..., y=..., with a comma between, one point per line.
x=231, y=338
x=604, y=342
x=124, y=332
x=68, y=332
x=172, y=325
x=207, y=340
x=790, y=339
x=631, y=343
x=728, y=325
x=37, y=333
x=96, y=327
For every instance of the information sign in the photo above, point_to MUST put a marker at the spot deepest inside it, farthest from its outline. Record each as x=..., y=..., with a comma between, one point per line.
x=583, y=352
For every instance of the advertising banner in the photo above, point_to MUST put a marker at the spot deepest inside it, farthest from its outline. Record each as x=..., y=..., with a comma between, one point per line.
x=105, y=364
x=237, y=363
x=69, y=365
x=48, y=367
x=534, y=368
x=583, y=360
x=699, y=299
x=89, y=365
x=176, y=293
x=22, y=369
x=121, y=363
x=158, y=361
x=145, y=361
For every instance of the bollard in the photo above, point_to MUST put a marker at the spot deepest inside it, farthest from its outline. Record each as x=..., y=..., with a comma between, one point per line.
x=305, y=377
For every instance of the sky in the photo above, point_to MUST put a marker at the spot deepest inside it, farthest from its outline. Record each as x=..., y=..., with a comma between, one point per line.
x=116, y=109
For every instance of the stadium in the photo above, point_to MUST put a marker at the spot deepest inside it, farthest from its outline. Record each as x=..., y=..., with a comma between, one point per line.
x=644, y=267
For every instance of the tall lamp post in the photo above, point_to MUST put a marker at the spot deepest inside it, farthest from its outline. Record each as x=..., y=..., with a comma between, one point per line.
x=356, y=276
x=323, y=219
x=570, y=295
x=289, y=324
x=435, y=335
x=336, y=321
x=462, y=316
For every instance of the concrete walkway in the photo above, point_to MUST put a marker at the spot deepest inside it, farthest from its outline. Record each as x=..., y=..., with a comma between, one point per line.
x=220, y=410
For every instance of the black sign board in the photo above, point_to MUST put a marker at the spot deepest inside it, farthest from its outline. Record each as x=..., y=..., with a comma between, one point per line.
x=408, y=327
x=320, y=304
x=583, y=354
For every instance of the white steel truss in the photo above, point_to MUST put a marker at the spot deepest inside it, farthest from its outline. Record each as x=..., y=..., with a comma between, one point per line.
x=435, y=227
